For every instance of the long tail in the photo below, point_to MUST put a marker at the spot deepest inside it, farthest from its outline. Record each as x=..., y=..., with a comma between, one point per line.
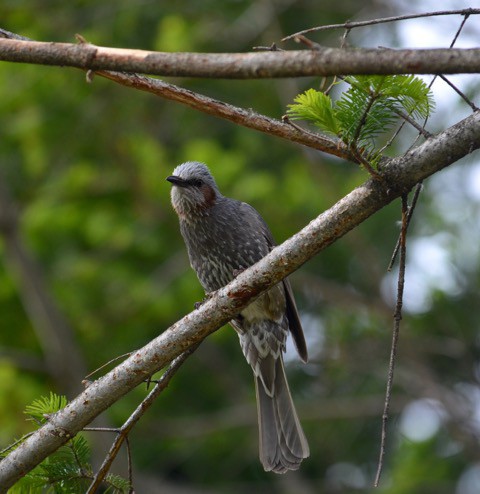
x=283, y=445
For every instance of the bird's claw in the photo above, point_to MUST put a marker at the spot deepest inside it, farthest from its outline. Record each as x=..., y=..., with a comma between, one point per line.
x=208, y=296
x=236, y=272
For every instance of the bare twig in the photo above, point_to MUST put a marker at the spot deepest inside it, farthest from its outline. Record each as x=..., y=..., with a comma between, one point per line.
x=342, y=45
x=411, y=209
x=14, y=444
x=240, y=116
x=106, y=364
x=272, y=47
x=397, y=317
x=372, y=22
x=123, y=432
x=467, y=100
x=308, y=43
x=420, y=128
x=367, y=165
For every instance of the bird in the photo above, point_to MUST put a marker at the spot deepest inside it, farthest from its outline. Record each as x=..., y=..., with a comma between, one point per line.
x=223, y=237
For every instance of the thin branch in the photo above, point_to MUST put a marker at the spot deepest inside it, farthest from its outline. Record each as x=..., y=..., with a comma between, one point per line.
x=210, y=106
x=12, y=446
x=372, y=22
x=421, y=129
x=411, y=209
x=452, y=44
x=106, y=364
x=467, y=100
x=123, y=432
x=240, y=116
x=254, y=65
x=466, y=15
x=397, y=317
x=366, y=164
x=433, y=155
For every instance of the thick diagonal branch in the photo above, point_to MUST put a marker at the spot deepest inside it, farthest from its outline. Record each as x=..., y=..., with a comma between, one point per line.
x=400, y=173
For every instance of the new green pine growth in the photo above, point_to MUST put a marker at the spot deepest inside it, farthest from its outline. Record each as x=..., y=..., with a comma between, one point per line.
x=367, y=109
x=362, y=117
x=316, y=107
x=44, y=406
x=116, y=484
x=411, y=93
x=67, y=470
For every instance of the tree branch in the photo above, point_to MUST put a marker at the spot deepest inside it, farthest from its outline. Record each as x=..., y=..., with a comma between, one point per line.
x=372, y=22
x=235, y=114
x=255, y=65
x=400, y=173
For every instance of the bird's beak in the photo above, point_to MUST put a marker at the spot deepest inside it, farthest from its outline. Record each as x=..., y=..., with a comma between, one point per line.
x=174, y=180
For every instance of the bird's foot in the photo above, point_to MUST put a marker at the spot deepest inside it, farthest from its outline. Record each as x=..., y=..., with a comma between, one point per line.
x=208, y=296
x=236, y=272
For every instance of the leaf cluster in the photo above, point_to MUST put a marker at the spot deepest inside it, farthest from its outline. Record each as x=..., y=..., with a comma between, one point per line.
x=68, y=470
x=368, y=108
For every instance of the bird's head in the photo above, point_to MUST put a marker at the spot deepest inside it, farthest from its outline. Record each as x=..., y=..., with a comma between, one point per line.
x=194, y=190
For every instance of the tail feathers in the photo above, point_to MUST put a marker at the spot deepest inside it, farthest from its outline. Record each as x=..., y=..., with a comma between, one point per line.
x=283, y=445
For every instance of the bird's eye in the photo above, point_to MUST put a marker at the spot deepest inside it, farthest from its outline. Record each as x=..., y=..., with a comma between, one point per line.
x=196, y=182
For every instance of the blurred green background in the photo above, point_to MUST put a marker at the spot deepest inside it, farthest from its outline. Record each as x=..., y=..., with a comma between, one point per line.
x=86, y=225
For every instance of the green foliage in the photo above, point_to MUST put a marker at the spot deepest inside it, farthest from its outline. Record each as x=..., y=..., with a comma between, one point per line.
x=316, y=107
x=44, y=406
x=67, y=470
x=368, y=108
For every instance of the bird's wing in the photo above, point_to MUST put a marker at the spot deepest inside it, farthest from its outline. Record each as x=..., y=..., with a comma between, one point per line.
x=258, y=224
x=294, y=322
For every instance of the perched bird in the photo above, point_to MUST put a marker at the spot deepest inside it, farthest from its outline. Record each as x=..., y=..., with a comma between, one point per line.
x=223, y=237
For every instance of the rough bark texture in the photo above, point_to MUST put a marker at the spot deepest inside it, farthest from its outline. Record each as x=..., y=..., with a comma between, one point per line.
x=256, y=65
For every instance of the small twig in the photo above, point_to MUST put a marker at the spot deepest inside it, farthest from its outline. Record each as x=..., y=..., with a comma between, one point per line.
x=363, y=120
x=397, y=317
x=286, y=119
x=467, y=100
x=372, y=22
x=101, y=429
x=133, y=419
x=411, y=209
x=466, y=15
x=421, y=129
x=307, y=42
x=9, y=35
x=12, y=446
x=272, y=47
x=86, y=378
x=129, y=465
x=366, y=164
x=342, y=45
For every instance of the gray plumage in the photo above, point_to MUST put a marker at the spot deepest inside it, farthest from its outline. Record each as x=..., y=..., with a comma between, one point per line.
x=224, y=236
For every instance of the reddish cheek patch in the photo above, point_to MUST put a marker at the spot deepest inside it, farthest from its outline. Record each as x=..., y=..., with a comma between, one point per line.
x=209, y=195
